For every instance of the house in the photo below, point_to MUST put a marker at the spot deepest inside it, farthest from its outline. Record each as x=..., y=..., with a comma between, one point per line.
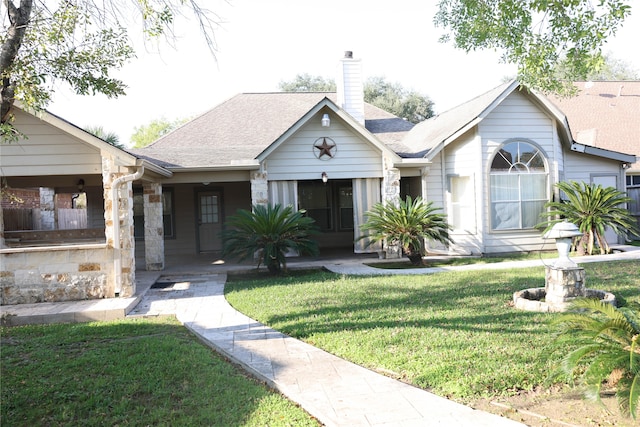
x=604, y=114
x=490, y=164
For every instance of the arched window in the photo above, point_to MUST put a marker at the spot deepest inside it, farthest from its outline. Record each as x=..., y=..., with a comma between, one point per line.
x=519, y=186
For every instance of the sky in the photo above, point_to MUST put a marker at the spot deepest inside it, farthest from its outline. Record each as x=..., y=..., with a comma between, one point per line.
x=261, y=43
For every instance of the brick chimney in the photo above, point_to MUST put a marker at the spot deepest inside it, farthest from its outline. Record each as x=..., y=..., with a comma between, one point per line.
x=350, y=86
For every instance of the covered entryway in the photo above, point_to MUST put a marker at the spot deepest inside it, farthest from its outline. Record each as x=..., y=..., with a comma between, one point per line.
x=330, y=204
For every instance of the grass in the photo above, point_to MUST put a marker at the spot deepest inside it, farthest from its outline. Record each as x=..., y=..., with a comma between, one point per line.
x=453, y=333
x=428, y=262
x=130, y=372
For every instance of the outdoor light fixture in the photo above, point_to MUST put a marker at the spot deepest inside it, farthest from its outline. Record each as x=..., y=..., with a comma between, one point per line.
x=563, y=232
x=325, y=177
x=326, y=121
x=81, y=184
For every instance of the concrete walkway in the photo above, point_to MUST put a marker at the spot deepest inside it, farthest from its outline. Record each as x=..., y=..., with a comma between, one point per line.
x=336, y=392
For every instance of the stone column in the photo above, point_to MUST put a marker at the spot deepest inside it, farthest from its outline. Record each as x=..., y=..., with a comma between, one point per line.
x=259, y=188
x=391, y=194
x=47, y=209
x=391, y=186
x=122, y=281
x=2, y=242
x=127, y=240
x=153, y=227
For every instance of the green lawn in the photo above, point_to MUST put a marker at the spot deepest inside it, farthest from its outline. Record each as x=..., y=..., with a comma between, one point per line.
x=453, y=333
x=131, y=372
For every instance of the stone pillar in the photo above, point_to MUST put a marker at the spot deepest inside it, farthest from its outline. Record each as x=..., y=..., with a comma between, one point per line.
x=391, y=186
x=47, y=208
x=153, y=227
x=562, y=285
x=127, y=240
x=259, y=188
x=2, y=242
x=123, y=281
x=391, y=194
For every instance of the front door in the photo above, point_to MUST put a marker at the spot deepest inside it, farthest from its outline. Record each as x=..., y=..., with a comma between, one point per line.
x=209, y=221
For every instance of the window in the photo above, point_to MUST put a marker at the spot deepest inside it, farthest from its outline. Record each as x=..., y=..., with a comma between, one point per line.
x=330, y=204
x=519, y=188
x=167, y=213
x=462, y=215
x=633, y=180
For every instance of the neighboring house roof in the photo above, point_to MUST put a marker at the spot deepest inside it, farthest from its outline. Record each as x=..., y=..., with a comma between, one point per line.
x=605, y=115
x=237, y=131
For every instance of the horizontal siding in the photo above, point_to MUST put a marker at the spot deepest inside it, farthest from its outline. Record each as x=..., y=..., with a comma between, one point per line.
x=47, y=151
x=516, y=242
x=582, y=167
x=295, y=158
x=433, y=182
x=515, y=118
x=463, y=159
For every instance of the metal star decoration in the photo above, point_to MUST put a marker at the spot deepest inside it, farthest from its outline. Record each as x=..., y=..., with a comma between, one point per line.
x=324, y=148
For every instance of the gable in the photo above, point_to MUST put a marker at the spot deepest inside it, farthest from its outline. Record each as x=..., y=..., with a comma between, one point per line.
x=296, y=159
x=48, y=150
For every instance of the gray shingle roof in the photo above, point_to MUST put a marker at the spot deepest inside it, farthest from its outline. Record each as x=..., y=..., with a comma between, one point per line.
x=239, y=129
x=431, y=132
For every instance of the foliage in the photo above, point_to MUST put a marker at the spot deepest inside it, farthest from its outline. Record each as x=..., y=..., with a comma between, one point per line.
x=269, y=232
x=135, y=372
x=110, y=137
x=78, y=43
x=308, y=83
x=592, y=208
x=452, y=333
x=391, y=97
x=395, y=99
x=146, y=134
x=407, y=225
x=602, y=343
x=536, y=35
x=612, y=70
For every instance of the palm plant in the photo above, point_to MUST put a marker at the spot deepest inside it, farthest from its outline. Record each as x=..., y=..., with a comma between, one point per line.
x=592, y=208
x=269, y=232
x=604, y=343
x=407, y=225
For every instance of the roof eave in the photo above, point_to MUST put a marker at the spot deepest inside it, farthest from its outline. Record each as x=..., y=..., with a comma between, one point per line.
x=601, y=152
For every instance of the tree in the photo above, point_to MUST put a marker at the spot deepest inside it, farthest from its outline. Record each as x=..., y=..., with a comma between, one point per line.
x=78, y=43
x=395, y=99
x=269, y=232
x=391, y=97
x=592, y=208
x=146, y=134
x=406, y=226
x=612, y=70
x=602, y=344
x=536, y=35
x=308, y=83
x=110, y=137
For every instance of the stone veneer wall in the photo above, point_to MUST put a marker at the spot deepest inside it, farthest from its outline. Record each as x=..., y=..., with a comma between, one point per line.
x=55, y=274
x=259, y=188
x=126, y=249
x=47, y=209
x=153, y=227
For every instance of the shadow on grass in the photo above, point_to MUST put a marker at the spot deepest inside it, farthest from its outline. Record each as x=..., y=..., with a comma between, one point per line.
x=478, y=301
x=462, y=303
x=128, y=372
